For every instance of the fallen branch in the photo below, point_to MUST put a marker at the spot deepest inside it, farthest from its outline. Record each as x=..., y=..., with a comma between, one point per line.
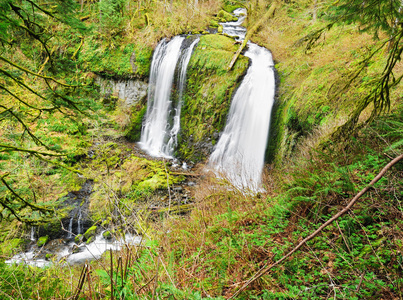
x=251, y=31
x=266, y=268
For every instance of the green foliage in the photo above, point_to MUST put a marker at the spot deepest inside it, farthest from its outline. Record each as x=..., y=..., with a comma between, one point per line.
x=23, y=282
x=111, y=15
x=372, y=16
x=133, y=132
x=11, y=247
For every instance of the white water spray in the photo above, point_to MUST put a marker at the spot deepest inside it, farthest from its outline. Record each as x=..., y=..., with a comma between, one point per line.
x=183, y=63
x=240, y=151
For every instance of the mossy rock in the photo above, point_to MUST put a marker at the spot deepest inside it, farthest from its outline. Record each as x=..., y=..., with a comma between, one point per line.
x=90, y=239
x=49, y=256
x=133, y=131
x=90, y=232
x=210, y=88
x=226, y=16
x=78, y=238
x=42, y=241
x=107, y=235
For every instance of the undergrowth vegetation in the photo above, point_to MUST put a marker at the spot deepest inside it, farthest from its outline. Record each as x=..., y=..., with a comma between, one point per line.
x=209, y=245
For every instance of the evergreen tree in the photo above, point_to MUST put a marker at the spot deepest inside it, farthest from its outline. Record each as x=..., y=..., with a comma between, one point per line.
x=29, y=88
x=383, y=19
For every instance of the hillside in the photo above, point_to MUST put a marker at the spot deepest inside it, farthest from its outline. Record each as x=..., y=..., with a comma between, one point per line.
x=68, y=150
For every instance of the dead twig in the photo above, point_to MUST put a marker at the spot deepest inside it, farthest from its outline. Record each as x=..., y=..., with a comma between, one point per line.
x=81, y=282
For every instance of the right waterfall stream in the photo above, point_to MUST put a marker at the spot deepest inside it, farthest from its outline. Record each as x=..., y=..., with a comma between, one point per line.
x=240, y=152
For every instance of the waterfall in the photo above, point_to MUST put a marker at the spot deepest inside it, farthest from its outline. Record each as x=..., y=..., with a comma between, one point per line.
x=240, y=151
x=32, y=236
x=183, y=63
x=160, y=129
x=70, y=230
x=79, y=227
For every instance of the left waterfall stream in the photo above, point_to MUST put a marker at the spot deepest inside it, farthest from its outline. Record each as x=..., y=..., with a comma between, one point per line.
x=162, y=121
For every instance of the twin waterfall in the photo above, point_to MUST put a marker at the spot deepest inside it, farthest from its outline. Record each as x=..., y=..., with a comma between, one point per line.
x=240, y=152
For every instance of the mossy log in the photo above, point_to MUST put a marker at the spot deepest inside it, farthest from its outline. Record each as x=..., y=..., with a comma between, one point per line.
x=251, y=31
x=175, y=209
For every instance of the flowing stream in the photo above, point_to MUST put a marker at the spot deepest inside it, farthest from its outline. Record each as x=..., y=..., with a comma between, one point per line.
x=240, y=152
x=162, y=123
x=70, y=253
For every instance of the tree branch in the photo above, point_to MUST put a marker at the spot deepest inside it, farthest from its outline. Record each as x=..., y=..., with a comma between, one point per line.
x=266, y=268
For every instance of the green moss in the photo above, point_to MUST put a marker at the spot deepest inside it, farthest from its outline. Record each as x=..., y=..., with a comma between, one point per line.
x=90, y=239
x=210, y=87
x=131, y=179
x=230, y=6
x=9, y=247
x=116, y=61
x=42, y=241
x=78, y=238
x=107, y=235
x=143, y=60
x=90, y=232
x=133, y=132
x=226, y=17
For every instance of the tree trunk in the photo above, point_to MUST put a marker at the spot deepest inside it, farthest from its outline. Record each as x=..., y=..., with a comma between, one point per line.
x=251, y=31
x=315, y=10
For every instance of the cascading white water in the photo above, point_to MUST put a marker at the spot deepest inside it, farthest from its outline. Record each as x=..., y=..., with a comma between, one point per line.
x=234, y=28
x=240, y=151
x=70, y=230
x=32, y=235
x=162, y=71
x=79, y=221
x=183, y=63
x=159, y=132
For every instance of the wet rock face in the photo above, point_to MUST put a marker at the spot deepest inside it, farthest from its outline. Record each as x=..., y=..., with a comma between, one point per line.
x=129, y=90
x=77, y=220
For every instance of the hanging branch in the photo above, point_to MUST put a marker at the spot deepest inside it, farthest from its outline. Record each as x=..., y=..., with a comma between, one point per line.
x=23, y=102
x=380, y=94
x=8, y=148
x=35, y=139
x=33, y=73
x=27, y=203
x=267, y=268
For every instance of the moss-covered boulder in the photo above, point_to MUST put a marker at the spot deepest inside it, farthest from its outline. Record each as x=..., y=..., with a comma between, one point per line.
x=78, y=238
x=133, y=131
x=42, y=241
x=90, y=232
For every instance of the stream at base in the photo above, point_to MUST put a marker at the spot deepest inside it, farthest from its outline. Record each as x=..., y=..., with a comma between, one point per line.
x=70, y=253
